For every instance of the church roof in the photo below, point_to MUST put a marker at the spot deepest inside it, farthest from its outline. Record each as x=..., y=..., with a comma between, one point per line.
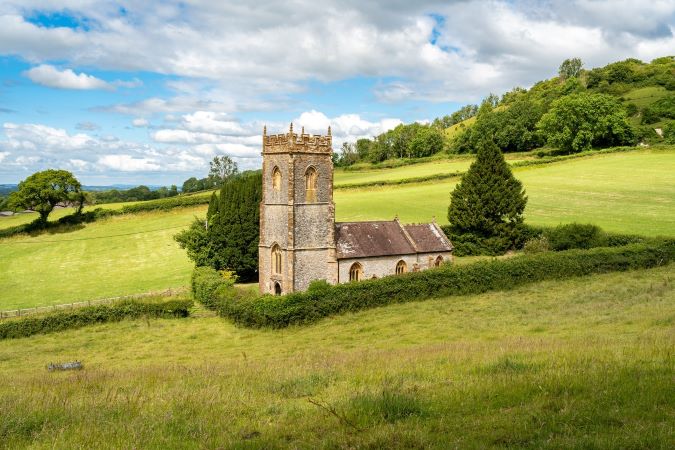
x=428, y=238
x=387, y=238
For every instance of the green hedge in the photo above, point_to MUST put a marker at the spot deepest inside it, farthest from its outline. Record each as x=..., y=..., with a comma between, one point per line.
x=307, y=307
x=76, y=318
x=167, y=203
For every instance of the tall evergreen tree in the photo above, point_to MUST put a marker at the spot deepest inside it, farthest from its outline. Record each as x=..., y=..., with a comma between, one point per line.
x=488, y=202
x=213, y=207
x=231, y=241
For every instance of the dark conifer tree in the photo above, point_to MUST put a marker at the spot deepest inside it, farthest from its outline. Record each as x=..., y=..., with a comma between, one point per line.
x=235, y=230
x=488, y=202
x=213, y=207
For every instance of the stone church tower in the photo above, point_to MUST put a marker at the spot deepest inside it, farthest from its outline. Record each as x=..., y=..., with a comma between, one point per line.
x=297, y=213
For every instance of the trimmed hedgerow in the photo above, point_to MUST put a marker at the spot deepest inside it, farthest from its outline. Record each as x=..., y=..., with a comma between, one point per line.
x=449, y=280
x=77, y=318
x=168, y=203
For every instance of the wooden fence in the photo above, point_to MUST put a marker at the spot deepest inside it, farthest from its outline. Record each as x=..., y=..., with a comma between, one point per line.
x=43, y=309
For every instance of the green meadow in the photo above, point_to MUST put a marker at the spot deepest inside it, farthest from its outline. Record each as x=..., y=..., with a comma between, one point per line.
x=630, y=192
x=579, y=363
x=120, y=255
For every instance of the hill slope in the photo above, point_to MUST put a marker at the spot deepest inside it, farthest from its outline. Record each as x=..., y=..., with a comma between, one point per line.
x=136, y=253
x=585, y=362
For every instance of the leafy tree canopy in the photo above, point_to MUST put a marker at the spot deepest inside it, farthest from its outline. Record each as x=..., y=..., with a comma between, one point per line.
x=570, y=68
x=43, y=191
x=580, y=121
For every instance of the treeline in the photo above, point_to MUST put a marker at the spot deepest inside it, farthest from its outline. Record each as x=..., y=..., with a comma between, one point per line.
x=575, y=111
x=138, y=193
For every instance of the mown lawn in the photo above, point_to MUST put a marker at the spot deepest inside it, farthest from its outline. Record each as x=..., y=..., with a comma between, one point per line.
x=631, y=192
x=581, y=363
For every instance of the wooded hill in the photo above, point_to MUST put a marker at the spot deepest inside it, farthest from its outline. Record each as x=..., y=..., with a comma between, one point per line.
x=623, y=103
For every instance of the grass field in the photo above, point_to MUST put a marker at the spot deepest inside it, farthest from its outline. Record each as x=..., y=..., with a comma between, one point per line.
x=630, y=192
x=436, y=167
x=581, y=363
x=121, y=255
x=624, y=192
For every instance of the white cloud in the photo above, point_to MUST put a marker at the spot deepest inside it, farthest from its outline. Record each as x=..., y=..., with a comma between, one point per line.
x=50, y=76
x=346, y=127
x=140, y=122
x=3, y=155
x=128, y=163
x=229, y=58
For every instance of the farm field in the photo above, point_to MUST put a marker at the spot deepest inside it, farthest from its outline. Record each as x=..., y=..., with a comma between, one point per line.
x=436, y=167
x=117, y=256
x=584, y=363
x=102, y=259
x=631, y=192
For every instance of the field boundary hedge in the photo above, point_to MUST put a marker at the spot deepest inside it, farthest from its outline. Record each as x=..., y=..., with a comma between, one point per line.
x=77, y=318
x=323, y=300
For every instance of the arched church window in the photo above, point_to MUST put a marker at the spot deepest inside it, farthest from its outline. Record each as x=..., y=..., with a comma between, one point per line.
x=311, y=182
x=355, y=272
x=276, y=259
x=276, y=179
x=439, y=261
x=401, y=267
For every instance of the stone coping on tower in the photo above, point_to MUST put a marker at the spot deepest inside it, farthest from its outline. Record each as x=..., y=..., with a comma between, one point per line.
x=297, y=143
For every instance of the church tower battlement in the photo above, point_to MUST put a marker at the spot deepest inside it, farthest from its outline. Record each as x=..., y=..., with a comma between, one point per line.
x=297, y=143
x=297, y=213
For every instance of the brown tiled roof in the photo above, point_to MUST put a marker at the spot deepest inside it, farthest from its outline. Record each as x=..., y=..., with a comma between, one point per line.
x=362, y=239
x=428, y=238
x=386, y=238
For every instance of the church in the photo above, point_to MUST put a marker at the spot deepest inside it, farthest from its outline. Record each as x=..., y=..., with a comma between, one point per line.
x=299, y=239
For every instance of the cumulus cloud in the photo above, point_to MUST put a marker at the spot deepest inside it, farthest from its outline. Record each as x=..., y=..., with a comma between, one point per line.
x=3, y=155
x=50, y=76
x=439, y=50
x=346, y=127
x=140, y=122
x=129, y=163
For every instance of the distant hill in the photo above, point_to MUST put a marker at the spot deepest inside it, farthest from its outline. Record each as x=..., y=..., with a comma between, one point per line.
x=642, y=93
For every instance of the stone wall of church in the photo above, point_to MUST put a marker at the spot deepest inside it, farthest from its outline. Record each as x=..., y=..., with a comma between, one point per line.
x=381, y=266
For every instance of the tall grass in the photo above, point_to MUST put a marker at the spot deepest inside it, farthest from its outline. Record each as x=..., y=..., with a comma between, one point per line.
x=581, y=363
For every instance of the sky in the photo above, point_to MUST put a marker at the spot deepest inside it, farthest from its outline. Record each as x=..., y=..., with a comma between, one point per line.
x=148, y=92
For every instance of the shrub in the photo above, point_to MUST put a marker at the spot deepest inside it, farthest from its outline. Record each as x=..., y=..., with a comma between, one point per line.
x=164, y=204
x=310, y=306
x=77, y=318
x=537, y=244
x=575, y=235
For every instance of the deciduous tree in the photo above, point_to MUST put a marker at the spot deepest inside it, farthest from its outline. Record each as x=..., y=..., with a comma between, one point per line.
x=43, y=191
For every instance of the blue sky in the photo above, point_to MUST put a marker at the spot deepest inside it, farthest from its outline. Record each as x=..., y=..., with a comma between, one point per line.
x=149, y=92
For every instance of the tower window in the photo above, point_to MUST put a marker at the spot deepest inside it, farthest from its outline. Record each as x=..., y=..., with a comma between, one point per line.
x=401, y=267
x=276, y=179
x=355, y=272
x=276, y=259
x=311, y=182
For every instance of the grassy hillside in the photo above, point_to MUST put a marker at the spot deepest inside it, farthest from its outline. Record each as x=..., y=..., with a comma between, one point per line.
x=623, y=192
x=434, y=167
x=117, y=256
x=583, y=363
x=136, y=253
